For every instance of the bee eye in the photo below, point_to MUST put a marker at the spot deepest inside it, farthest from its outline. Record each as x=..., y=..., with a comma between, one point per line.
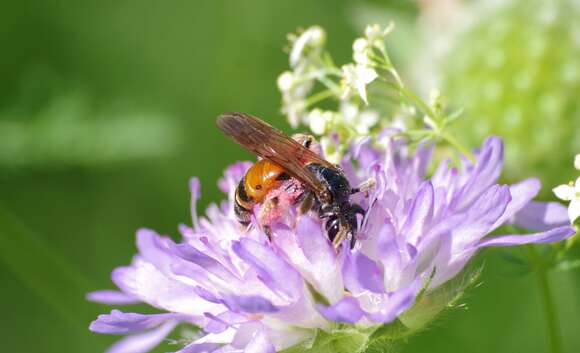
x=332, y=228
x=259, y=187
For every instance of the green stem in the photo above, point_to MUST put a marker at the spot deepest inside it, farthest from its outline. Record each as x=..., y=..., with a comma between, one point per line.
x=553, y=327
x=320, y=96
x=457, y=145
x=411, y=98
x=426, y=109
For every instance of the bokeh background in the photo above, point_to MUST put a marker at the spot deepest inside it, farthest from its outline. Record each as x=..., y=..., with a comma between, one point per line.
x=108, y=107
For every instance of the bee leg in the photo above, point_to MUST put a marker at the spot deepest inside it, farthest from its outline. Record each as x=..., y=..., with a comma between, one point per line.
x=357, y=209
x=307, y=202
x=268, y=231
x=354, y=210
x=365, y=186
x=340, y=236
x=268, y=215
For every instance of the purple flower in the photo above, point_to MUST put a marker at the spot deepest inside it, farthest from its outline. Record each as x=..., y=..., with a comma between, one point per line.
x=249, y=293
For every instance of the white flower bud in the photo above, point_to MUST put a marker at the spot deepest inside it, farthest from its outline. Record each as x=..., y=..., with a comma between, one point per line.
x=285, y=81
x=361, y=52
x=313, y=37
x=318, y=121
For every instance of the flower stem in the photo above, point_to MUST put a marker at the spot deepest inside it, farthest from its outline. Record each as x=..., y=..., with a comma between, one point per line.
x=553, y=327
x=457, y=145
x=320, y=96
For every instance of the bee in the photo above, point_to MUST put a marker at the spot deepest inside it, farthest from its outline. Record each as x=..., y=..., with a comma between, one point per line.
x=323, y=186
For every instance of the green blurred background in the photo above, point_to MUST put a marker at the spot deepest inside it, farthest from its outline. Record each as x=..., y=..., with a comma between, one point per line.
x=108, y=107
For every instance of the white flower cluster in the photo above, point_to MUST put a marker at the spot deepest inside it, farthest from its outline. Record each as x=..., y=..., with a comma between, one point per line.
x=571, y=192
x=313, y=77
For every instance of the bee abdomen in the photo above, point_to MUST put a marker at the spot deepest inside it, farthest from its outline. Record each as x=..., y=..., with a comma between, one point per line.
x=243, y=204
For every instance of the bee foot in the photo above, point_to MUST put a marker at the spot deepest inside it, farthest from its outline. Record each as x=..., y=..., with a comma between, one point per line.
x=364, y=187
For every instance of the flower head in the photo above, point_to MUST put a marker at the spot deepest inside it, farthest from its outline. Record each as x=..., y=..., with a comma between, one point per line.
x=570, y=192
x=251, y=293
x=355, y=78
x=374, y=39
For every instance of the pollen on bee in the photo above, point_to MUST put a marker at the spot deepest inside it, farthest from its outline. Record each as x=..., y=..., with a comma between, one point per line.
x=279, y=203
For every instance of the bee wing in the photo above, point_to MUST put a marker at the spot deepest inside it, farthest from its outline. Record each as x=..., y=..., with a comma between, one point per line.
x=268, y=142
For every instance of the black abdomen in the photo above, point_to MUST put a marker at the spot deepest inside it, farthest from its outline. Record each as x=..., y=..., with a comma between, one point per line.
x=243, y=204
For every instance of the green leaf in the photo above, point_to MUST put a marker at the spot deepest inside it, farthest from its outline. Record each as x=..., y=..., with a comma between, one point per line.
x=347, y=340
x=382, y=345
x=434, y=302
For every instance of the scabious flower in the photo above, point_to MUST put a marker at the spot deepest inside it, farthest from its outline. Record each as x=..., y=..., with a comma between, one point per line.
x=250, y=293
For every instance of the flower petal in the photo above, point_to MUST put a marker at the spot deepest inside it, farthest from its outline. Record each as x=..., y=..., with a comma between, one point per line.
x=143, y=342
x=145, y=282
x=199, y=348
x=155, y=249
x=564, y=192
x=541, y=216
x=345, y=310
x=420, y=213
x=574, y=210
x=398, y=302
x=118, y=322
x=322, y=261
x=369, y=273
x=484, y=174
x=112, y=297
x=205, y=262
x=260, y=343
x=248, y=303
x=479, y=220
x=455, y=237
x=270, y=267
x=195, y=190
x=521, y=194
x=550, y=236
x=220, y=323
